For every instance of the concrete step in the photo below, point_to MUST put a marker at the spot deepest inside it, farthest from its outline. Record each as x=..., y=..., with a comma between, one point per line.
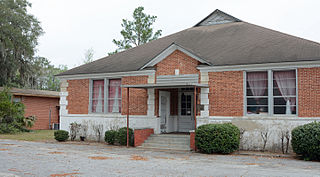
x=185, y=142
x=168, y=142
x=166, y=139
x=170, y=135
x=163, y=149
x=166, y=146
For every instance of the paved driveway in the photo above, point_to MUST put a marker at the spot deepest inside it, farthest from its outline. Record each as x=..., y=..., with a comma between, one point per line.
x=60, y=159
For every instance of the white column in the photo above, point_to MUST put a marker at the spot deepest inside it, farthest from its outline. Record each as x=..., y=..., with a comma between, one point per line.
x=204, y=100
x=63, y=98
x=151, y=99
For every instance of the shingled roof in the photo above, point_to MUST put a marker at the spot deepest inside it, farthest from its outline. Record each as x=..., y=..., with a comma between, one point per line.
x=33, y=92
x=219, y=39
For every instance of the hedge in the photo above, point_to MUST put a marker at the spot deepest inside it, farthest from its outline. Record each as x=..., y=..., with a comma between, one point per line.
x=61, y=135
x=217, y=138
x=110, y=136
x=306, y=141
x=121, y=136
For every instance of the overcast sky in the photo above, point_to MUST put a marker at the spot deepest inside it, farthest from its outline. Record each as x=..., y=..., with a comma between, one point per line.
x=73, y=26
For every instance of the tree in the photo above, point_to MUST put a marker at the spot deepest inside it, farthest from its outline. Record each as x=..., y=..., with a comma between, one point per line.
x=42, y=75
x=88, y=56
x=19, y=33
x=136, y=32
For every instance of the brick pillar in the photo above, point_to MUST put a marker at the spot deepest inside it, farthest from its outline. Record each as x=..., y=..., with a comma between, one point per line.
x=192, y=140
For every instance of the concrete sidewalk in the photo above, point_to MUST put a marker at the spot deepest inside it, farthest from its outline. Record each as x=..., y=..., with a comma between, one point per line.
x=64, y=159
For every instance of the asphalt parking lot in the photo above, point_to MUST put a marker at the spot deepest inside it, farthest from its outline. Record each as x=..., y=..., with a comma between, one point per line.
x=21, y=158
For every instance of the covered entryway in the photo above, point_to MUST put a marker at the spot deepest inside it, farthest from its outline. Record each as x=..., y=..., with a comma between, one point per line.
x=185, y=120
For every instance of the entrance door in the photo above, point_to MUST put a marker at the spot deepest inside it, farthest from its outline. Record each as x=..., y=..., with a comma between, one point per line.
x=164, y=110
x=185, y=120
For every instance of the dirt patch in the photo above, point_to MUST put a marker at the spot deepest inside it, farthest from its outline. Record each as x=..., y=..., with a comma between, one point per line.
x=8, y=144
x=136, y=157
x=99, y=158
x=55, y=152
x=14, y=170
x=252, y=164
x=65, y=174
x=166, y=158
x=4, y=149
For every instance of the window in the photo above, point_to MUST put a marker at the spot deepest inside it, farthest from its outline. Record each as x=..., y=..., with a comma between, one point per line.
x=16, y=99
x=106, y=96
x=98, y=96
x=277, y=96
x=257, y=93
x=114, y=97
x=186, y=105
x=284, y=92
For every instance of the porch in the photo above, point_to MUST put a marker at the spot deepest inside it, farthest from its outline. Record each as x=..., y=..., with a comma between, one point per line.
x=175, y=105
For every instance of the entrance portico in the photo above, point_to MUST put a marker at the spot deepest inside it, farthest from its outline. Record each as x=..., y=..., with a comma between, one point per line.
x=175, y=105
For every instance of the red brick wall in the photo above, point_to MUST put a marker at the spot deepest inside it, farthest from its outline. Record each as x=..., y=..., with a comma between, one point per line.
x=309, y=92
x=78, y=96
x=138, y=97
x=140, y=135
x=177, y=60
x=226, y=93
x=40, y=107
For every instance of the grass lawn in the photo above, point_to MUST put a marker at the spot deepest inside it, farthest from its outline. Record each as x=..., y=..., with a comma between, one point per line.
x=34, y=135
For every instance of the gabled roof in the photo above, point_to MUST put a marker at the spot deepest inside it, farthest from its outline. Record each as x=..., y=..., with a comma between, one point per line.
x=165, y=53
x=217, y=17
x=232, y=43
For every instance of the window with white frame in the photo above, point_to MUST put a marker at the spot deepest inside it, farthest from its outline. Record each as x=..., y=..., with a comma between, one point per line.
x=276, y=96
x=97, y=103
x=106, y=96
x=114, y=96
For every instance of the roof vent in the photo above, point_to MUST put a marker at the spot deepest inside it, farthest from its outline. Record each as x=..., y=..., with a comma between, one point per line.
x=217, y=17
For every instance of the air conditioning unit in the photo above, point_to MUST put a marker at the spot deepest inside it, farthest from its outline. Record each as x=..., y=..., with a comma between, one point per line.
x=55, y=126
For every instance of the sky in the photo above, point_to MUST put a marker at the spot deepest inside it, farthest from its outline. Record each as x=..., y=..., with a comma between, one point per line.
x=73, y=26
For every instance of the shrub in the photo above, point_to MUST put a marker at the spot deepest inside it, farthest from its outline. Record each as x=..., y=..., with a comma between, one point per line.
x=110, y=136
x=61, y=135
x=11, y=114
x=121, y=136
x=217, y=138
x=74, y=130
x=306, y=141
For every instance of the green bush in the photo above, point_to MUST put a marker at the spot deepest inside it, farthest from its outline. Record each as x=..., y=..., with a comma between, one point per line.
x=110, y=136
x=11, y=114
x=121, y=136
x=306, y=141
x=61, y=135
x=217, y=138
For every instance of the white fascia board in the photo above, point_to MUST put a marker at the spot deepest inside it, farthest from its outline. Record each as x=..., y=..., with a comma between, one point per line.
x=108, y=75
x=165, y=53
x=265, y=66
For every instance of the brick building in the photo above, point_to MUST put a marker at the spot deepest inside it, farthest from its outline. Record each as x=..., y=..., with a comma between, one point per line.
x=40, y=103
x=229, y=70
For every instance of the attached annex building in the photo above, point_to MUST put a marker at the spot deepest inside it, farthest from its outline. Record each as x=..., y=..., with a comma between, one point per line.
x=257, y=78
x=42, y=104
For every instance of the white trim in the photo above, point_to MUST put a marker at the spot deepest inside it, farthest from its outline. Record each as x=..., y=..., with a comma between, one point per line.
x=265, y=66
x=108, y=75
x=165, y=53
x=290, y=118
x=108, y=115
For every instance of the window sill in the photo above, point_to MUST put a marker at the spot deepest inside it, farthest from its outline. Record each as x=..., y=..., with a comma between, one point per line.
x=270, y=116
